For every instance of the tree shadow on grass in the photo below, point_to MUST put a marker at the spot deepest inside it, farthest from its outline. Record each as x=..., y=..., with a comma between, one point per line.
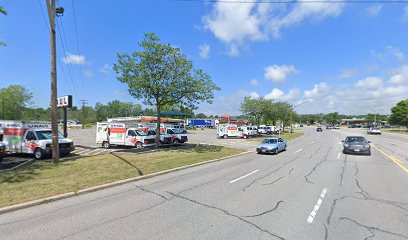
x=26, y=173
x=202, y=148
x=127, y=162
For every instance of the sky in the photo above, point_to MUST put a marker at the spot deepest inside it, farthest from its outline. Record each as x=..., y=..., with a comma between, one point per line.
x=319, y=56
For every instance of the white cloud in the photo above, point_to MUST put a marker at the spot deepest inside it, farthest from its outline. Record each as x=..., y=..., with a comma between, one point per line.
x=105, y=68
x=370, y=83
x=318, y=90
x=396, y=52
x=279, y=73
x=400, y=76
x=74, y=59
x=306, y=10
x=254, y=82
x=279, y=95
x=88, y=73
x=275, y=94
x=374, y=10
x=236, y=24
x=204, y=51
x=254, y=95
x=347, y=74
x=119, y=93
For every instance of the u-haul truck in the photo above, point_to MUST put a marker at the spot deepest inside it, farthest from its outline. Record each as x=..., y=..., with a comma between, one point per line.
x=122, y=134
x=228, y=130
x=172, y=135
x=32, y=138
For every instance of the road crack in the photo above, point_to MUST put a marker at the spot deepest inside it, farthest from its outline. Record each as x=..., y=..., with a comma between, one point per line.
x=315, y=167
x=265, y=212
x=373, y=230
x=274, y=181
x=228, y=214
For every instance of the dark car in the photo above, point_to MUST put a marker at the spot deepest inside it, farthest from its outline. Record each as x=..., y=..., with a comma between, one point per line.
x=357, y=145
x=319, y=129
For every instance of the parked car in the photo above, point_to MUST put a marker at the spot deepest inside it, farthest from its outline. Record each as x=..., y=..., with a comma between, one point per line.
x=336, y=127
x=272, y=145
x=329, y=127
x=319, y=129
x=2, y=150
x=265, y=129
x=374, y=131
x=356, y=144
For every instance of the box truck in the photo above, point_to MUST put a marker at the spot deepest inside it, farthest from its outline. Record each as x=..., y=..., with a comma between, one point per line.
x=32, y=138
x=122, y=134
x=228, y=130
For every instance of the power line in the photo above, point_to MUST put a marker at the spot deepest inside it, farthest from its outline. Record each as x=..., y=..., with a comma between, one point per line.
x=65, y=47
x=299, y=1
x=77, y=40
x=59, y=61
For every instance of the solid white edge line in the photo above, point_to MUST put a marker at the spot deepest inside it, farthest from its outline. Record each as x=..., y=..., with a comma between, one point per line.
x=299, y=150
x=312, y=142
x=316, y=207
x=246, y=175
x=338, y=156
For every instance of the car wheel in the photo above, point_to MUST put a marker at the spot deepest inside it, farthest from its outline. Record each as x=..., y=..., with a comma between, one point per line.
x=284, y=149
x=38, y=154
x=175, y=141
x=106, y=145
x=369, y=153
x=139, y=145
x=225, y=136
x=245, y=136
x=275, y=151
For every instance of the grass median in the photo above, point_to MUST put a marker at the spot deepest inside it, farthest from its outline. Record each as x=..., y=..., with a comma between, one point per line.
x=44, y=178
x=286, y=136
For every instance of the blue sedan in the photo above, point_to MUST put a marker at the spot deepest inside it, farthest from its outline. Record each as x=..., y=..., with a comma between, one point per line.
x=272, y=145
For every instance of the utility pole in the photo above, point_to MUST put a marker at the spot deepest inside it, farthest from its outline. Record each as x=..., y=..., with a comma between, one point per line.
x=52, y=12
x=84, y=102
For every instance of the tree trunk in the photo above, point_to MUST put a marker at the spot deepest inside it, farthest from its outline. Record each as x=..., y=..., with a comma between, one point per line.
x=158, y=128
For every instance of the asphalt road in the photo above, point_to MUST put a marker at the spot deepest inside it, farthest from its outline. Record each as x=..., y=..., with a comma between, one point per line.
x=311, y=191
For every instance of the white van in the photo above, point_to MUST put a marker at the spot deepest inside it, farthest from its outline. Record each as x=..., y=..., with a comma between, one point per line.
x=122, y=134
x=32, y=138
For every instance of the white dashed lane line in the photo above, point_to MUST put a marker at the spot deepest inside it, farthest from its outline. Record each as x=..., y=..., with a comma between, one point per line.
x=299, y=150
x=313, y=214
x=338, y=156
x=246, y=175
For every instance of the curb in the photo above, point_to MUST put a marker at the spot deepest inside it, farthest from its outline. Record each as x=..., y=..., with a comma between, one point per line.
x=108, y=185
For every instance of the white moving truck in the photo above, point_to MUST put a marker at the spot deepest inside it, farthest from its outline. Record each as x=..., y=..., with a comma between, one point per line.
x=122, y=134
x=228, y=130
x=32, y=138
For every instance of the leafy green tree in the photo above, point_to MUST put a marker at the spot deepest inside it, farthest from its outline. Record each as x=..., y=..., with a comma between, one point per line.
x=161, y=75
x=201, y=115
x=399, y=114
x=256, y=108
x=13, y=101
x=4, y=12
x=331, y=118
x=284, y=113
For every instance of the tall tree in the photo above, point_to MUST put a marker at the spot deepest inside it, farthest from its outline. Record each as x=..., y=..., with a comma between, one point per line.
x=4, y=12
x=255, y=107
x=161, y=75
x=399, y=114
x=13, y=101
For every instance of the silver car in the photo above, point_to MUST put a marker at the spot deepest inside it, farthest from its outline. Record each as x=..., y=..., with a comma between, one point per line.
x=272, y=145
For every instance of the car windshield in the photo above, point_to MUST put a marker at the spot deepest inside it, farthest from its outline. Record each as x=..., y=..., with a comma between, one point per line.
x=140, y=133
x=177, y=130
x=43, y=135
x=270, y=140
x=355, y=139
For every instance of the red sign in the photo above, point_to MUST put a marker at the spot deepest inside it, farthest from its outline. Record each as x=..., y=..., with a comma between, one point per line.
x=14, y=131
x=117, y=130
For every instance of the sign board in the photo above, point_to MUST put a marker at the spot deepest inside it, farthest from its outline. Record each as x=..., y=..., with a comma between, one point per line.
x=64, y=102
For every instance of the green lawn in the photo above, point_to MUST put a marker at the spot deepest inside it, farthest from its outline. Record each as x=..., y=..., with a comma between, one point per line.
x=286, y=136
x=44, y=178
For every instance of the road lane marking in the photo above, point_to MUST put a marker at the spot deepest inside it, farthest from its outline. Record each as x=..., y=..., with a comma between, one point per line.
x=338, y=156
x=246, y=175
x=313, y=214
x=394, y=159
x=91, y=151
x=299, y=150
x=312, y=142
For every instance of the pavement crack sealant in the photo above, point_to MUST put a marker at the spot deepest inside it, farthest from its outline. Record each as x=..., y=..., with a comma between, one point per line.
x=228, y=214
x=373, y=230
x=265, y=212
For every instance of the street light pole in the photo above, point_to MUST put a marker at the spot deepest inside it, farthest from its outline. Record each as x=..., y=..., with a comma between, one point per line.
x=291, y=115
